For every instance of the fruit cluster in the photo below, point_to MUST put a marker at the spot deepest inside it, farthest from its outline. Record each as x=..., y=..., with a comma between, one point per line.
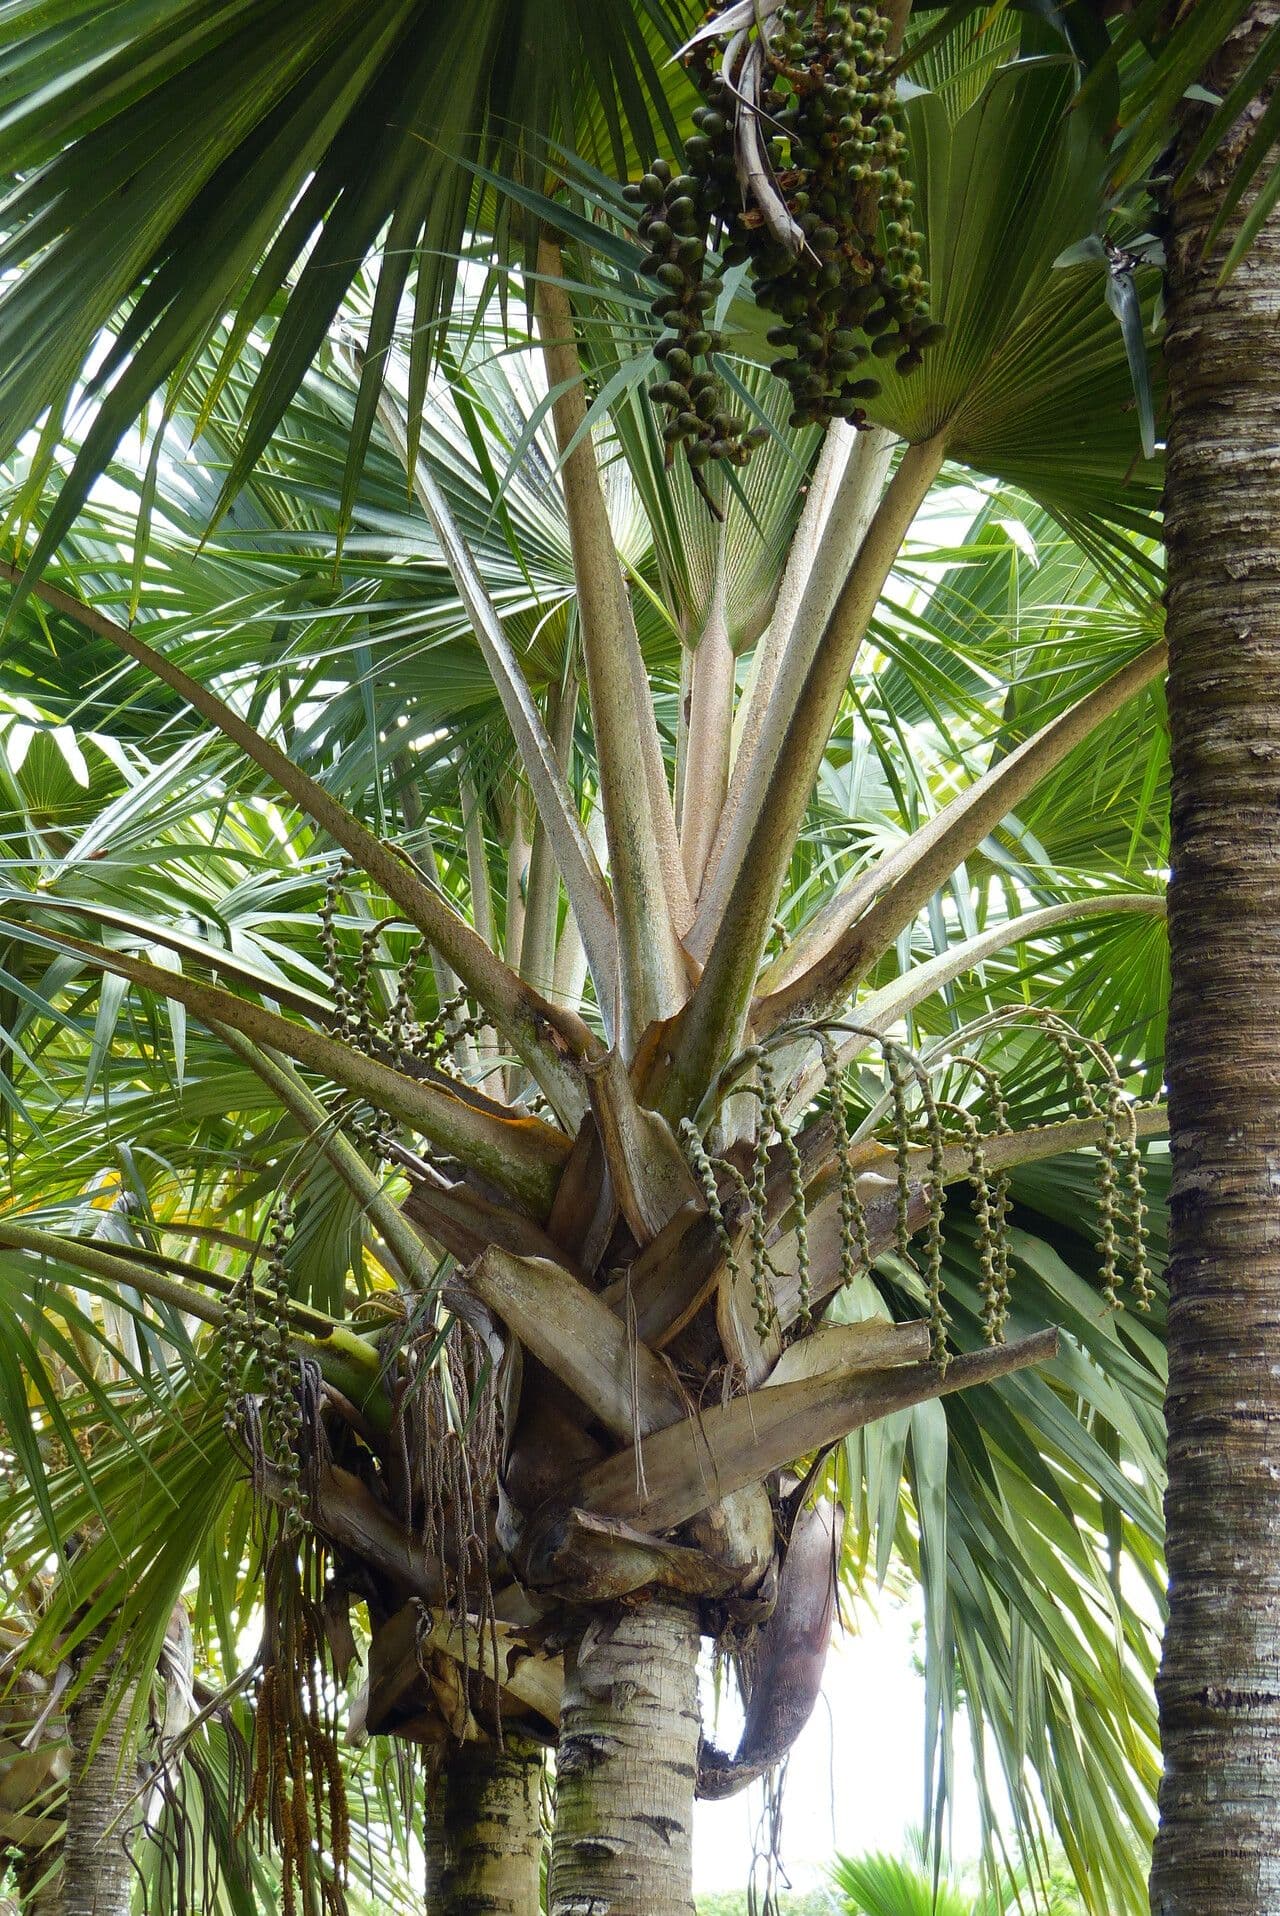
x=842, y=153
x=797, y=169
x=675, y=226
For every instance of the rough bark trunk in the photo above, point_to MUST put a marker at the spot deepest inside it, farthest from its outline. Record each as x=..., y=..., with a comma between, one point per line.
x=484, y=1831
x=1218, y=1848
x=97, y=1874
x=627, y=1766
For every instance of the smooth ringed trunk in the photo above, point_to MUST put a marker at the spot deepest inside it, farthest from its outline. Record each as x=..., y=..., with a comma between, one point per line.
x=627, y=1766
x=1218, y=1848
x=484, y=1831
x=97, y=1874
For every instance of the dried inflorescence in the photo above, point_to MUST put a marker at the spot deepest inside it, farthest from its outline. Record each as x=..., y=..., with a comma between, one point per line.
x=297, y=1796
x=188, y=1806
x=796, y=169
x=449, y=1433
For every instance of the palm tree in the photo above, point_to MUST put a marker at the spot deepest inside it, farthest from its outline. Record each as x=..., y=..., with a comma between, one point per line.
x=93, y=1803
x=998, y=395
x=349, y=660
x=1217, y=1846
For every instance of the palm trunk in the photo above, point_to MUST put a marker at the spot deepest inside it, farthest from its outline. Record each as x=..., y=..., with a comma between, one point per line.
x=627, y=1765
x=484, y=1831
x=97, y=1874
x=1218, y=1848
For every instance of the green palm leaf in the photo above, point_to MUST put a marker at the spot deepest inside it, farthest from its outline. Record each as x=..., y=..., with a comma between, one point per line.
x=193, y=152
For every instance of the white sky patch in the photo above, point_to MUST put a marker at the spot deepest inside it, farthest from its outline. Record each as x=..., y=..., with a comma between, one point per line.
x=855, y=1780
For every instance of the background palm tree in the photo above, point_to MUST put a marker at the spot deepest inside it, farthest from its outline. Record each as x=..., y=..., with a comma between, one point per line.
x=1217, y=1847
x=985, y=395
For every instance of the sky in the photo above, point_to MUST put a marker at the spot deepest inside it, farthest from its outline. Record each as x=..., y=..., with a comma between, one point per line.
x=856, y=1776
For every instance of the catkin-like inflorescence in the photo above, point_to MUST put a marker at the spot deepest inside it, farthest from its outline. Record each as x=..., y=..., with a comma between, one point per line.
x=758, y=1195
x=1136, y=1205
x=364, y=1026
x=773, y=1119
x=704, y=1170
x=922, y=1124
x=936, y=1142
x=232, y=1354
x=1121, y=1197
x=993, y=1284
x=709, y=1172
x=282, y=1410
x=1109, y=1205
x=899, y=1085
x=334, y=886
x=855, y=1241
x=999, y=1202
x=402, y=1031
x=247, y=1349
